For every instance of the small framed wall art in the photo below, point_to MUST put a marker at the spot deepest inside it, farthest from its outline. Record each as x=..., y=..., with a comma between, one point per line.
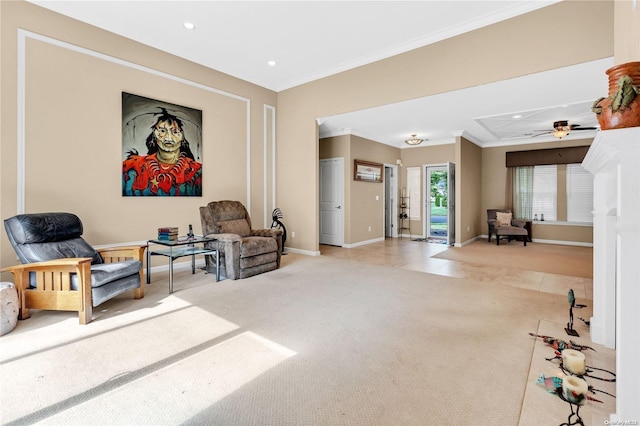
x=367, y=171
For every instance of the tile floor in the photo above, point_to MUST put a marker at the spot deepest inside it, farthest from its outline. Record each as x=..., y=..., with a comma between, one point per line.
x=418, y=256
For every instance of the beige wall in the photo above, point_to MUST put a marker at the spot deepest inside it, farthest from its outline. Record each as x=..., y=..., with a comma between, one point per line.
x=336, y=147
x=627, y=31
x=420, y=156
x=468, y=190
x=73, y=133
x=426, y=155
x=340, y=147
x=516, y=47
x=494, y=186
x=481, y=176
x=362, y=209
x=367, y=198
x=560, y=233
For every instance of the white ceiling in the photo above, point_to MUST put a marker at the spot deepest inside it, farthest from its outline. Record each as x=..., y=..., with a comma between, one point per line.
x=485, y=114
x=309, y=40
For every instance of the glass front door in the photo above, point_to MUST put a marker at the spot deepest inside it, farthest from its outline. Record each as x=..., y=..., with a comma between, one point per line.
x=437, y=207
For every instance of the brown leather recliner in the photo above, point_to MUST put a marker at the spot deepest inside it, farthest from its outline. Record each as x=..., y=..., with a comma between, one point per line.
x=243, y=251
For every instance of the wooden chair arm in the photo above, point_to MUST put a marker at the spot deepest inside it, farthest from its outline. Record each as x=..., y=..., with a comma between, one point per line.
x=116, y=254
x=64, y=264
x=53, y=286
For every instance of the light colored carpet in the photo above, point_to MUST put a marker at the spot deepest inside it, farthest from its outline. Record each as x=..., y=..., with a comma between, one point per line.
x=549, y=258
x=320, y=341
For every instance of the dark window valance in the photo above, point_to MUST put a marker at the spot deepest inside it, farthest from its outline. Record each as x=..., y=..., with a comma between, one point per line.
x=540, y=157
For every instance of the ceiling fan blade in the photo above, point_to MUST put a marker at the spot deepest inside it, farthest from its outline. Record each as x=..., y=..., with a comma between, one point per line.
x=580, y=127
x=562, y=125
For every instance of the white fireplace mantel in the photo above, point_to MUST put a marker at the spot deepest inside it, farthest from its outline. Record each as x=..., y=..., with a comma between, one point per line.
x=614, y=160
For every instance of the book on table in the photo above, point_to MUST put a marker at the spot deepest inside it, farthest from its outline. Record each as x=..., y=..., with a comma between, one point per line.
x=168, y=233
x=162, y=237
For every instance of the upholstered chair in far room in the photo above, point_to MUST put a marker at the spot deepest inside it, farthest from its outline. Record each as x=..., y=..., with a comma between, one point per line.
x=501, y=223
x=243, y=251
x=61, y=271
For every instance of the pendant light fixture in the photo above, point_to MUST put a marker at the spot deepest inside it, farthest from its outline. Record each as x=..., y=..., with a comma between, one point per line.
x=414, y=140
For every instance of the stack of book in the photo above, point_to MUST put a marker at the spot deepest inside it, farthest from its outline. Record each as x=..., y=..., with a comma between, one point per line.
x=168, y=233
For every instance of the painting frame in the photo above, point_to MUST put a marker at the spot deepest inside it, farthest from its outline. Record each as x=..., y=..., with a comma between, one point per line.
x=161, y=148
x=367, y=171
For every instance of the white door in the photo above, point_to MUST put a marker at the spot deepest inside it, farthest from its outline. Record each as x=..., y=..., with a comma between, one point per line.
x=436, y=205
x=388, y=220
x=332, y=201
x=440, y=218
x=451, y=185
x=390, y=205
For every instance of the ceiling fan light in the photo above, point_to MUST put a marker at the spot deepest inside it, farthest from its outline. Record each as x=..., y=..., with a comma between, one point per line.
x=560, y=133
x=414, y=140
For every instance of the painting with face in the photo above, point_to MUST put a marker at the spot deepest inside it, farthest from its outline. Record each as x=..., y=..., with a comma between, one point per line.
x=161, y=148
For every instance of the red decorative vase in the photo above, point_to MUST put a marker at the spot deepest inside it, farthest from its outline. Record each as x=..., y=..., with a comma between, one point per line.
x=622, y=107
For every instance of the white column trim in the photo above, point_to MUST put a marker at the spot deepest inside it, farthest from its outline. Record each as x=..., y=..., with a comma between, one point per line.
x=248, y=160
x=21, y=126
x=266, y=109
x=614, y=159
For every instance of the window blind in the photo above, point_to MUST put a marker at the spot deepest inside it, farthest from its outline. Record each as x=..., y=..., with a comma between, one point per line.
x=413, y=191
x=579, y=194
x=545, y=189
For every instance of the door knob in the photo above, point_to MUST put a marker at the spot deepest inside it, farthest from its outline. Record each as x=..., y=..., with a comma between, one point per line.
x=338, y=207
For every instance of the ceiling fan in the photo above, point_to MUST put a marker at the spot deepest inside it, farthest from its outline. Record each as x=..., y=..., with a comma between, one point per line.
x=562, y=128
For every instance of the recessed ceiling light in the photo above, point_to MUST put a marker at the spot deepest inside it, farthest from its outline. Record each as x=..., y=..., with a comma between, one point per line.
x=517, y=116
x=272, y=63
x=189, y=25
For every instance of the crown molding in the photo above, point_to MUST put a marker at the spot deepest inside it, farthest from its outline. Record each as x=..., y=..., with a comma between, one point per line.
x=517, y=9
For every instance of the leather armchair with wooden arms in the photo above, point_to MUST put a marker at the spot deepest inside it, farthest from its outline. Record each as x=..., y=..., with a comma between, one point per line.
x=61, y=271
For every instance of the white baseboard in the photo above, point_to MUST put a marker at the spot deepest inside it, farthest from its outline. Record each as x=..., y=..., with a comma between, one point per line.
x=559, y=242
x=599, y=334
x=563, y=243
x=363, y=243
x=466, y=243
x=299, y=251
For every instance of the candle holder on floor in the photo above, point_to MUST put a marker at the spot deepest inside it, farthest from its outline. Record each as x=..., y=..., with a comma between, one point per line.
x=576, y=413
x=588, y=369
x=574, y=391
